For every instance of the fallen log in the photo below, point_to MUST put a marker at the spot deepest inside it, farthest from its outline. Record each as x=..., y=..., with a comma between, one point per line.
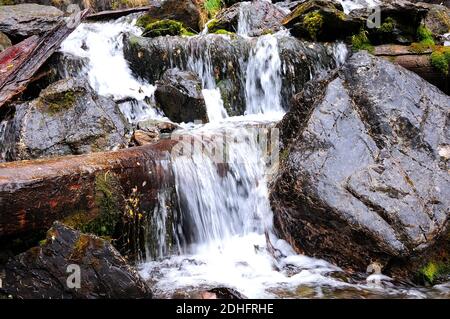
x=115, y=14
x=417, y=62
x=33, y=194
x=19, y=63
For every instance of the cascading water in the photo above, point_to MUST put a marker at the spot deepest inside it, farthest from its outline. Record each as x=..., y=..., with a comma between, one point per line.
x=223, y=233
x=263, y=84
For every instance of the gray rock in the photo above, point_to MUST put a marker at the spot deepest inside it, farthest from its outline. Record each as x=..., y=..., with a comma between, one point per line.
x=66, y=118
x=179, y=95
x=24, y=20
x=364, y=175
x=42, y=272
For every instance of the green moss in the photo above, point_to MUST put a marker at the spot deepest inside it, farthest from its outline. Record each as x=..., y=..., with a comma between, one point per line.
x=418, y=47
x=143, y=20
x=213, y=25
x=433, y=270
x=212, y=7
x=284, y=154
x=165, y=27
x=425, y=36
x=440, y=59
x=103, y=222
x=224, y=32
x=59, y=102
x=388, y=25
x=360, y=41
x=313, y=22
x=7, y=2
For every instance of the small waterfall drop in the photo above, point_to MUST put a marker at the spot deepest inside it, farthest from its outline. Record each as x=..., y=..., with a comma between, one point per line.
x=350, y=5
x=263, y=77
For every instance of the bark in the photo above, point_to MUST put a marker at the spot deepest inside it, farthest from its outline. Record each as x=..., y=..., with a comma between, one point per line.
x=114, y=14
x=19, y=63
x=33, y=194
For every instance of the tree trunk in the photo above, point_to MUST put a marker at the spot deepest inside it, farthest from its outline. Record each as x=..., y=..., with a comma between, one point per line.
x=33, y=194
x=19, y=63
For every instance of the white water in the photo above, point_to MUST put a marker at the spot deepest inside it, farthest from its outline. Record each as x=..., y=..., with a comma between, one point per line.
x=263, y=77
x=107, y=70
x=225, y=237
x=350, y=5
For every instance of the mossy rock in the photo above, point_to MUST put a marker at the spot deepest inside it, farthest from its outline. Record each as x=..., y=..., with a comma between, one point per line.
x=440, y=59
x=320, y=20
x=165, y=27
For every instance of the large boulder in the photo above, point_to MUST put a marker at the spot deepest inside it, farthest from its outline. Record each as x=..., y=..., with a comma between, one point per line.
x=221, y=61
x=48, y=271
x=23, y=20
x=66, y=118
x=364, y=175
x=179, y=95
x=256, y=17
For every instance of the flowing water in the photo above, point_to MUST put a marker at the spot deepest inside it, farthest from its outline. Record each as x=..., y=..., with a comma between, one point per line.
x=223, y=235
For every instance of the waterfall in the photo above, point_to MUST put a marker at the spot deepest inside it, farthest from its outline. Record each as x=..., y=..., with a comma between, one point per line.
x=263, y=77
x=244, y=20
x=213, y=223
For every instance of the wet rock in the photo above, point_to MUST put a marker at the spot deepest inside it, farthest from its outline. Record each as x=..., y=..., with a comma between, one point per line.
x=23, y=20
x=66, y=118
x=179, y=95
x=189, y=12
x=321, y=20
x=363, y=178
x=222, y=56
x=5, y=42
x=44, y=271
x=260, y=17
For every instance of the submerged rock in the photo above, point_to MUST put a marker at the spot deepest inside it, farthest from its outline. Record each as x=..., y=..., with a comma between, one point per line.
x=179, y=95
x=48, y=271
x=24, y=20
x=66, y=118
x=364, y=175
x=258, y=17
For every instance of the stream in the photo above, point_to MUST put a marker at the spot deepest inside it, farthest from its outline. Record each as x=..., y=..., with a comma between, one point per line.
x=225, y=236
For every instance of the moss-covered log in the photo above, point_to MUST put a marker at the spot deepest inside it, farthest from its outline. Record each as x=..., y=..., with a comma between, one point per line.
x=33, y=194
